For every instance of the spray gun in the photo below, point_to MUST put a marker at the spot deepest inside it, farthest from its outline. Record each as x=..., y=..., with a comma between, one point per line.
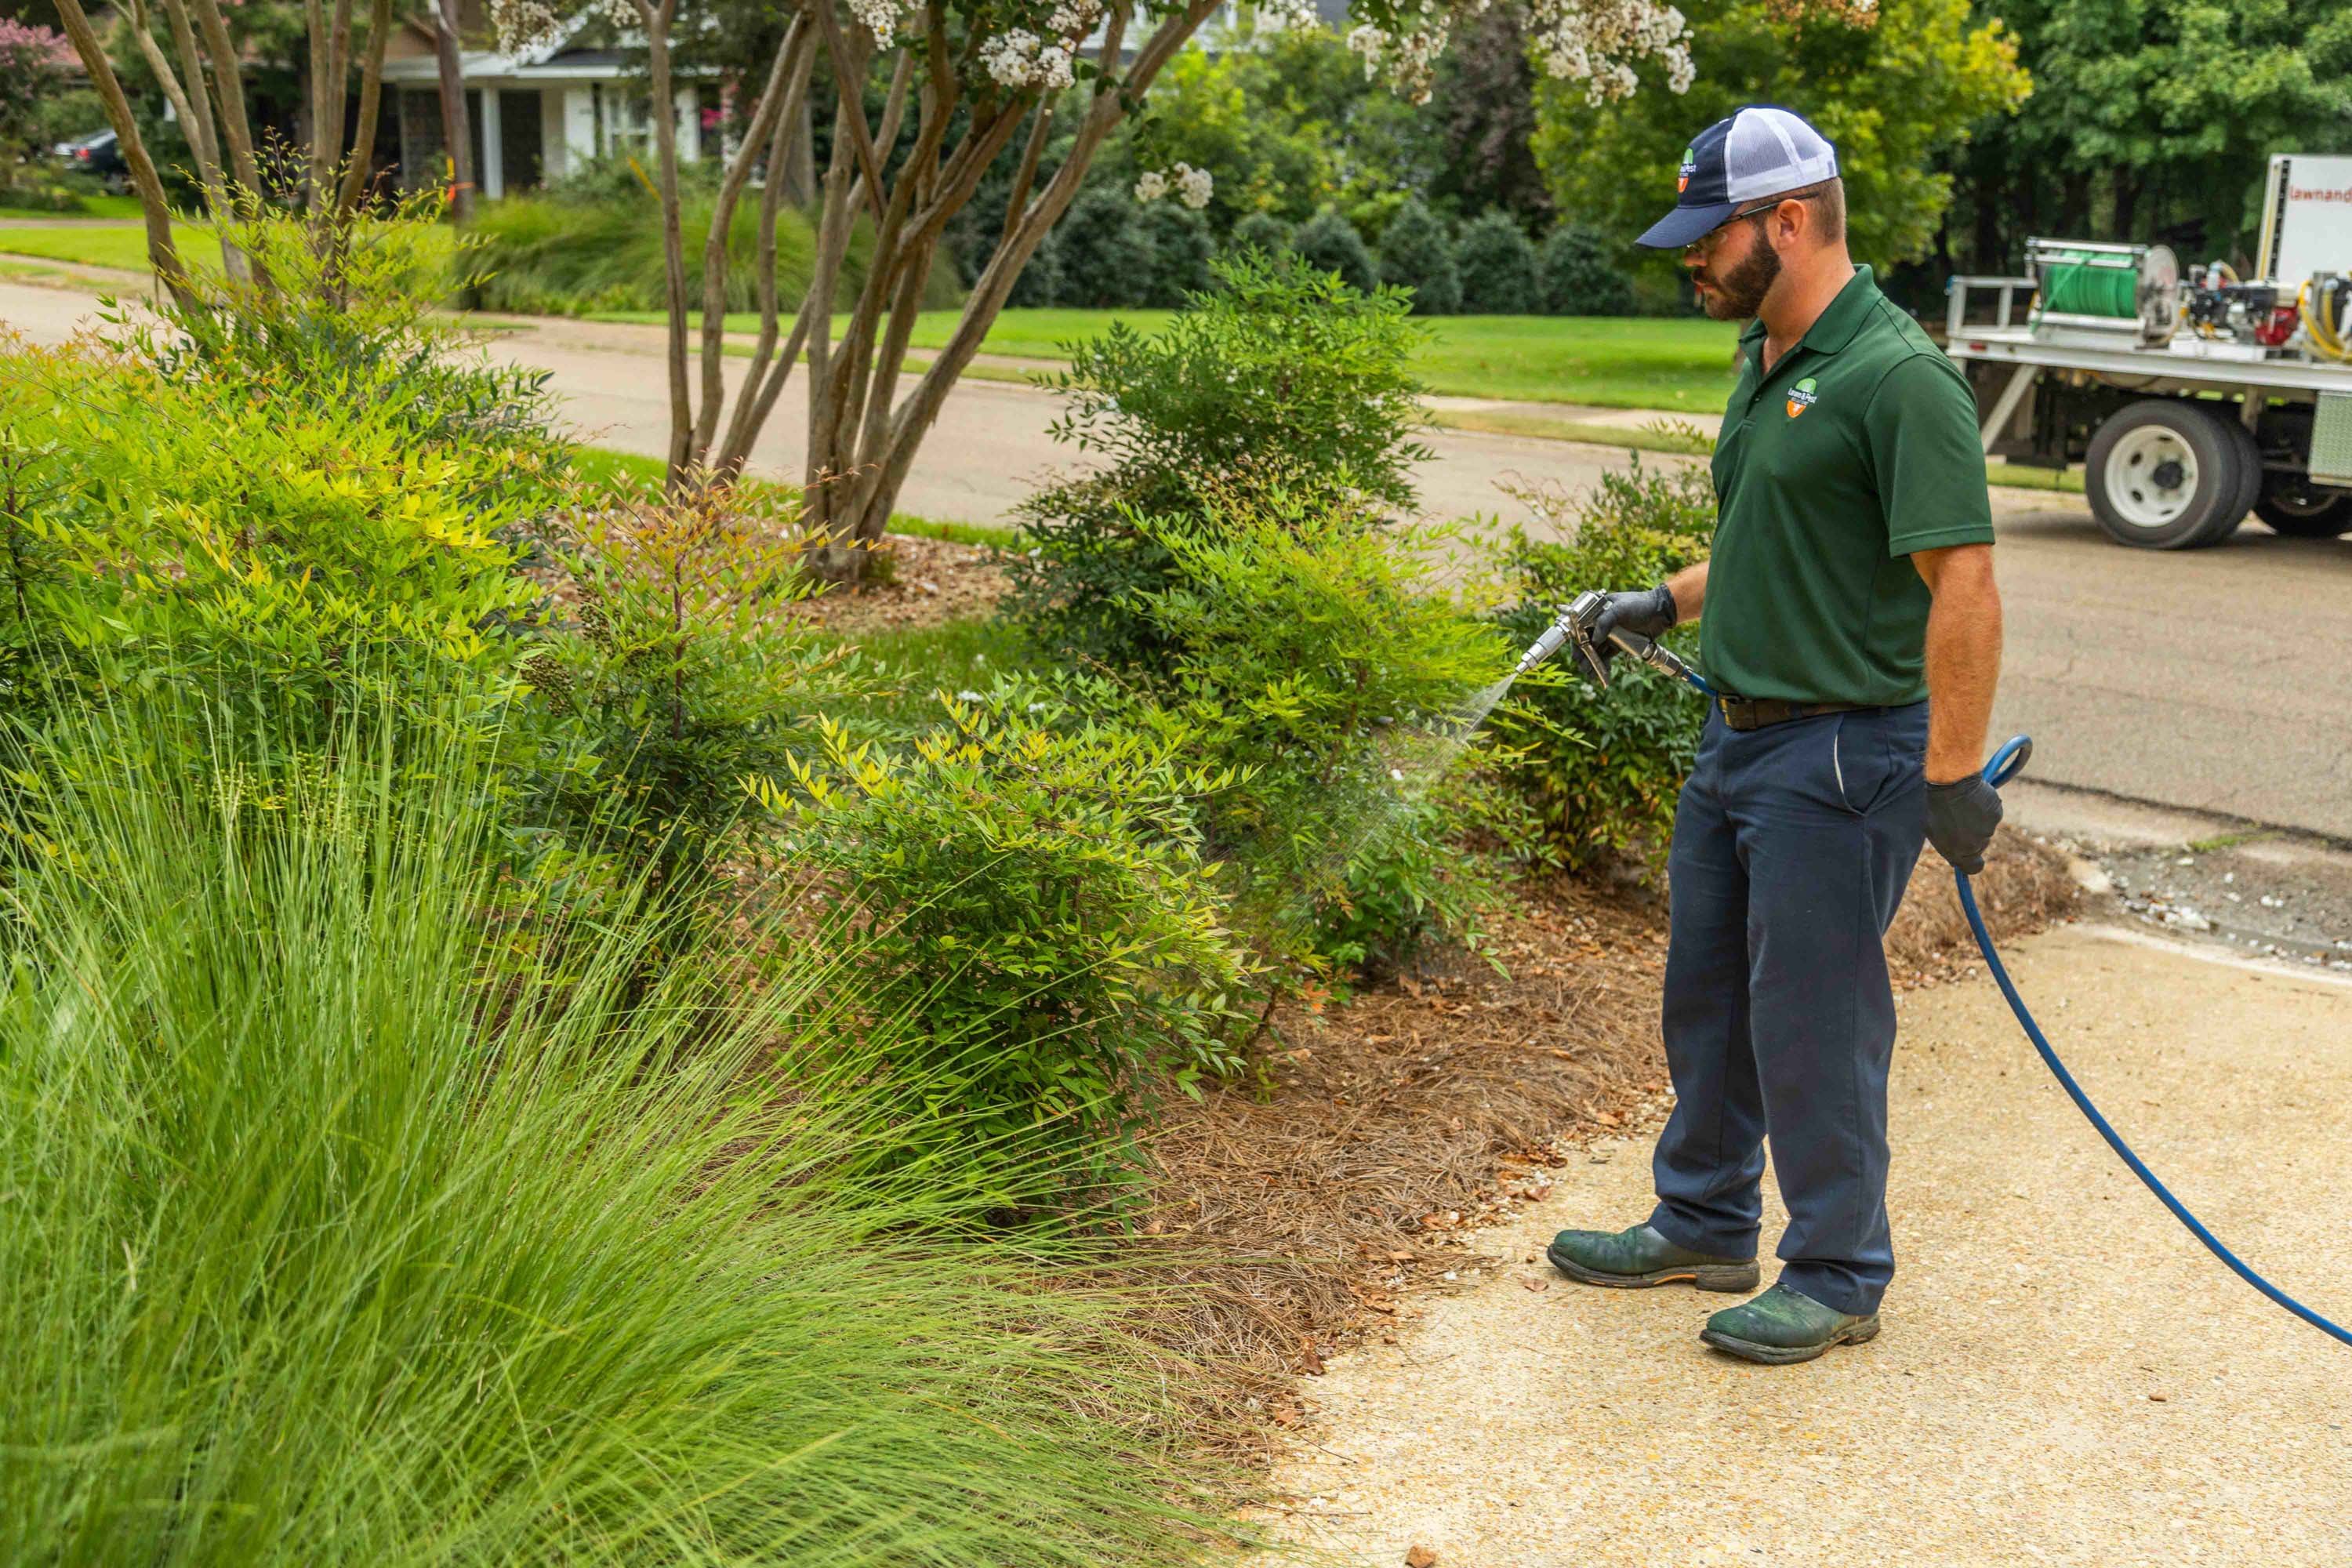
x=1575, y=628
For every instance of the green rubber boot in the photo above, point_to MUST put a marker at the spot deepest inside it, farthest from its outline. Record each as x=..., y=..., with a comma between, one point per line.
x=1642, y=1257
x=1783, y=1326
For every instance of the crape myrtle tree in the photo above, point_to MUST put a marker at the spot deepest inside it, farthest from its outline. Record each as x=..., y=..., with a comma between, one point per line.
x=202, y=78
x=979, y=78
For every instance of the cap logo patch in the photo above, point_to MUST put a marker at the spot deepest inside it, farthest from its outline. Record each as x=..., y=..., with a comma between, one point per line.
x=1690, y=167
x=1800, y=397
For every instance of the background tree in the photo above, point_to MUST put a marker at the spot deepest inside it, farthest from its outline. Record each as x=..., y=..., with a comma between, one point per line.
x=1259, y=231
x=1484, y=114
x=36, y=66
x=1581, y=274
x=2149, y=120
x=1330, y=243
x=1417, y=253
x=968, y=77
x=1105, y=255
x=1890, y=95
x=203, y=77
x=1499, y=267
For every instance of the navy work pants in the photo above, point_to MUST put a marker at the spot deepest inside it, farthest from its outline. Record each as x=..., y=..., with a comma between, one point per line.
x=1793, y=846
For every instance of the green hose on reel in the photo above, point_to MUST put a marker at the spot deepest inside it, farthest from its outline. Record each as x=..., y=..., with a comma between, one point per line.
x=2087, y=283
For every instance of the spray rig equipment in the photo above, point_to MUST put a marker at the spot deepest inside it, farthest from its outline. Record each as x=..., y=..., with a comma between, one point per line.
x=2191, y=396
x=1575, y=628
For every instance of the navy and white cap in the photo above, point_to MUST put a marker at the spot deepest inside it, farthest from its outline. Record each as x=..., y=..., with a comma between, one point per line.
x=1761, y=151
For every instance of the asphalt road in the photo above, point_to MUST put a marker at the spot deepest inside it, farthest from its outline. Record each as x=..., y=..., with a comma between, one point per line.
x=2218, y=681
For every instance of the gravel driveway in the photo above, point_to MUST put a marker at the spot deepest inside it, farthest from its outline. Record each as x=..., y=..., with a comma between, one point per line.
x=2127, y=1402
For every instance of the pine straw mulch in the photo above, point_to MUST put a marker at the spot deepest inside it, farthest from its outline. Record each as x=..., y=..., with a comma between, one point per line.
x=1304, y=1213
x=920, y=583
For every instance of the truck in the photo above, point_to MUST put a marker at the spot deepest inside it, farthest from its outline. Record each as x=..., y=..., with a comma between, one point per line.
x=2190, y=399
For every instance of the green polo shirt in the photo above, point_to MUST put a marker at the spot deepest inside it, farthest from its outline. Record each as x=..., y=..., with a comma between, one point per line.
x=1857, y=449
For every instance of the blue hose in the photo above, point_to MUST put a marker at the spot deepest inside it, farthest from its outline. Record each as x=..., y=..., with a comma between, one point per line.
x=2004, y=765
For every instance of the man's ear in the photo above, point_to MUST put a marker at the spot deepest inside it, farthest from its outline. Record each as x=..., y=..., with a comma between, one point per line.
x=1792, y=224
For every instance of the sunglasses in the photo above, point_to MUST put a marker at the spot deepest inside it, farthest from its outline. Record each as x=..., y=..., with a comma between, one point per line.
x=1705, y=243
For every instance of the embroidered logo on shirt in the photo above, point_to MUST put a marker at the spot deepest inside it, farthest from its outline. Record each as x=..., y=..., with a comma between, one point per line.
x=1690, y=167
x=1800, y=397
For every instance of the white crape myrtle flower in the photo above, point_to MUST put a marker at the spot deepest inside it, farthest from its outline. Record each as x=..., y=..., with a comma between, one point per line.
x=1286, y=15
x=880, y=17
x=521, y=25
x=1596, y=41
x=1019, y=58
x=1151, y=185
x=1194, y=186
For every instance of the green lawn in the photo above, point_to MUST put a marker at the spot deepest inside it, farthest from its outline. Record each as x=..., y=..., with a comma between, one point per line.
x=123, y=207
x=1681, y=363
x=102, y=244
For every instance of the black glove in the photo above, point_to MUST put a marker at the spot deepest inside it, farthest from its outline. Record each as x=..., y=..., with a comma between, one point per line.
x=1649, y=613
x=1961, y=815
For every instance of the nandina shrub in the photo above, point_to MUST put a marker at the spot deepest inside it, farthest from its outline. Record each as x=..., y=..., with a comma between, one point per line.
x=1281, y=376
x=305, y=497
x=1037, y=916
x=681, y=686
x=1602, y=769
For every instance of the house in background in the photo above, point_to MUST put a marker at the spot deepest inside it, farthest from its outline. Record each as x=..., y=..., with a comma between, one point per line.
x=535, y=116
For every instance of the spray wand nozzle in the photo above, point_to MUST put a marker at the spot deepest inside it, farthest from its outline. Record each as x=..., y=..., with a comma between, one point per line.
x=1575, y=628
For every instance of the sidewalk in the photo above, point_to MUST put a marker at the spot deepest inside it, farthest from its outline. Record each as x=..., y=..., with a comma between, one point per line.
x=2127, y=1402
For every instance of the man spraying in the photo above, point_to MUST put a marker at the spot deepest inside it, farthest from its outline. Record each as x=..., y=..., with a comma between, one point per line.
x=1852, y=623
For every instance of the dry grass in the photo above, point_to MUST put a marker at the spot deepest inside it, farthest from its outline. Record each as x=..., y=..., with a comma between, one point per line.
x=1299, y=1214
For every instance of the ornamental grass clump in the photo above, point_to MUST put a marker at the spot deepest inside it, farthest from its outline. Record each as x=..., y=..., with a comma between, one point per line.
x=332, y=1235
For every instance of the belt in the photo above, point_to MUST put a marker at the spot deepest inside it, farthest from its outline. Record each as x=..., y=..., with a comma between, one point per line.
x=1754, y=713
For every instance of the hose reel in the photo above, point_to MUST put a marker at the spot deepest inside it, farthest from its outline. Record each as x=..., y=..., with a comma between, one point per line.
x=2093, y=286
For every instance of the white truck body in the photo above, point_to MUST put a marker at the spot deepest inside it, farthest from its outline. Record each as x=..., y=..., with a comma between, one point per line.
x=2050, y=387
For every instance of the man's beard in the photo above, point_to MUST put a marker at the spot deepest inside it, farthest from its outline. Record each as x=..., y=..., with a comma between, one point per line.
x=1738, y=294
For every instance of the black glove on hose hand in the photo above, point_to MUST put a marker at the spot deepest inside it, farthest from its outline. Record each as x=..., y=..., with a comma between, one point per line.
x=1648, y=613
x=1961, y=815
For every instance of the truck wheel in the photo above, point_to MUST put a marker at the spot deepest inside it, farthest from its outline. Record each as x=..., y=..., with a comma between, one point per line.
x=2250, y=480
x=2301, y=510
x=2162, y=474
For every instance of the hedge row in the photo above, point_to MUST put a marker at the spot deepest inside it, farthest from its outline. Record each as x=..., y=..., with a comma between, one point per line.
x=1108, y=250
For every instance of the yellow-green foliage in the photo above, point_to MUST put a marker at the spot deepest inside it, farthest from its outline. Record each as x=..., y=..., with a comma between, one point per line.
x=195, y=519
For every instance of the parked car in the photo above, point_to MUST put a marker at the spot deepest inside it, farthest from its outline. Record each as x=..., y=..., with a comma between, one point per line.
x=97, y=154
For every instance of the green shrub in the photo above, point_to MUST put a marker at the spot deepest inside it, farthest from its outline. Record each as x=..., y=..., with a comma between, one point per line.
x=1036, y=914
x=299, y=498
x=680, y=684
x=1180, y=252
x=1320, y=652
x=1281, y=372
x=1609, y=784
x=1416, y=252
x=1583, y=274
x=1499, y=267
x=1330, y=243
x=1261, y=232
x=329, y=1241
x=1106, y=258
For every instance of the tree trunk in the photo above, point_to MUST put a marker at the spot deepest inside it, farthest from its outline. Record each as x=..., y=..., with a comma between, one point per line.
x=800, y=155
x=362, y=165
x=161, y=255
x=456, y=137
